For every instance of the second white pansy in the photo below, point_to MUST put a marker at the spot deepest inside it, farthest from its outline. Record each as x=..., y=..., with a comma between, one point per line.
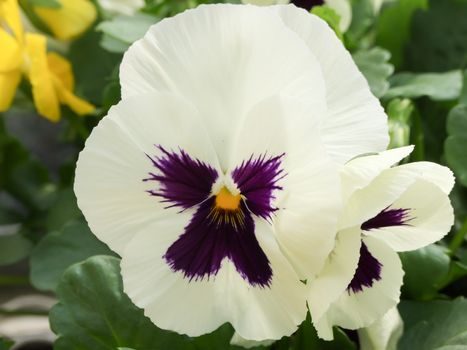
x=387, y=210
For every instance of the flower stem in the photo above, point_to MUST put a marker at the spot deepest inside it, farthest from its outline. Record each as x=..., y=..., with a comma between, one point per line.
x=23, y=312
x=14, y=281
x=458, y=239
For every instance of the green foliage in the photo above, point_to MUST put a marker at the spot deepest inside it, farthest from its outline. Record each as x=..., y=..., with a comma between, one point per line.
x=393, y=29
x=5, y=344
x=60, y=249
x=425, y=269
x=437, y=86
x=120, y=32
x=434, y=325
x=94, y=313
x=456, y=143
x=444, y=46
x=13, y=245
x=374, y=65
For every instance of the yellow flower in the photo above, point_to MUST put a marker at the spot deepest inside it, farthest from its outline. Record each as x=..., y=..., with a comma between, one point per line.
x=70, y=20
x=50, y=75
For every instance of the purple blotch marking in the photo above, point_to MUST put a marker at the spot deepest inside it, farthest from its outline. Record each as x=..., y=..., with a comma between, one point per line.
x=388, y=217
x=184, y=182
x=257, y=180
x=368, y=271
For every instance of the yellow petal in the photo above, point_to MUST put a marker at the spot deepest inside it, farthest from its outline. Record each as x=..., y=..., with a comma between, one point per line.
x=77, y=105
x=10, y=14
x=43, y=90
x=10, y=57
x=70, y=20
x=8, y=84
x=61, y=68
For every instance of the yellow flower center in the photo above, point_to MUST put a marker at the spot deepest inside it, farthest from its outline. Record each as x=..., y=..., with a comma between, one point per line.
x=226, y=200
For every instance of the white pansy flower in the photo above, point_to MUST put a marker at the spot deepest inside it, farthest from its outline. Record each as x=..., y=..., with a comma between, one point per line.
x=121, y=7
x=388, y=210
x=217, y=174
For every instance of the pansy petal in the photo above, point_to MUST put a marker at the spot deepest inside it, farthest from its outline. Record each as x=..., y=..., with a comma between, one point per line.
x=43, y=90
x=429, y=218
x=355, y=310
x=437, y=174
x=360, y=171
x=11, y=13
x=61, y=68
x=110, y=171
x=387, y=187
x=10, y=59
x=309, y=200
x=226, y=63
x=255, y=312
x=72, y=19
x=8, y=84
x=355, y=122
x=333, y=280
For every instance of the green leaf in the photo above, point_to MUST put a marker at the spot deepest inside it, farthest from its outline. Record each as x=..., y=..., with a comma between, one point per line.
x=363, y=18
x=122, y=31
x=62, y=210
x=374, y=65
x=455, y=144
x=393, y=28
x=5, y=344
x=94, y=313
x=437, y=42
x=13, y=245
x=434, y=325
x=425, y=269
x=329, y=16
x=463, y=96
x=58, y=250
x=92, y=71
x=437, y=86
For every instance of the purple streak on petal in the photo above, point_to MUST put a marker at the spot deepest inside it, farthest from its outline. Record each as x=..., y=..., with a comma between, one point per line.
x=368, y=271
x=182, y=181
x=388, y=217
x=256, y=178
x=199, y=251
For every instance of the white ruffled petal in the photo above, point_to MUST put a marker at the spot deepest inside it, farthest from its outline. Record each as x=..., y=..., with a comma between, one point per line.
x=355, y=310
x=360, y=171
x=225, y=59
x=355, y=122
x=333, y=280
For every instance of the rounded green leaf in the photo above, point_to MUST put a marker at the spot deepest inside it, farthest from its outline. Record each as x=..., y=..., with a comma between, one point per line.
x=455, y=144
x=13, y=245
x=434, y=325
x=424, y=269
x=94, y=313
x=60, y=249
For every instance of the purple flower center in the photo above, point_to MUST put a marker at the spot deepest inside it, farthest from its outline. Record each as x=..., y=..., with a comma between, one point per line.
x=223, y=224
x=369, y=268
x=307, y=4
